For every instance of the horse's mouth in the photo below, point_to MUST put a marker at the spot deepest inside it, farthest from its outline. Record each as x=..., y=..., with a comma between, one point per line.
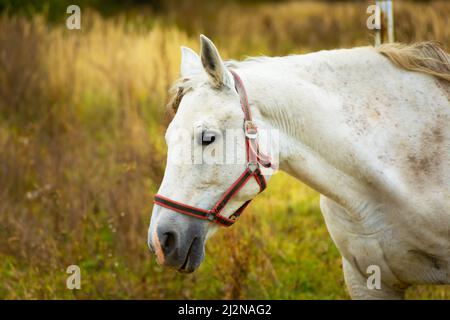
x=183, y=268
x=186, y=268
x=189, y=263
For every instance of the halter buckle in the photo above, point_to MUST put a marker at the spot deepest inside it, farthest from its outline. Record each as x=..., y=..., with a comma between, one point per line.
x=250, y=129
x=252, y=166
x=211, y=215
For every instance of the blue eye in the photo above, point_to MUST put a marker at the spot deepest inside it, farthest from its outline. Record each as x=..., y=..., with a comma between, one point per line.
x=207, y=137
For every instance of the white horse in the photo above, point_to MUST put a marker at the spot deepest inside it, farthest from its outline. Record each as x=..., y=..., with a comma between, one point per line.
x=370, y=136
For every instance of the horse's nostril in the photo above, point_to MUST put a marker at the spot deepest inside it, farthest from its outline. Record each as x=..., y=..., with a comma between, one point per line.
x=168, y=242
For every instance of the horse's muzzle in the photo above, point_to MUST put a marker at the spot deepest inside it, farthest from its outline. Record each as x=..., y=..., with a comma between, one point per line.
x=178, y=247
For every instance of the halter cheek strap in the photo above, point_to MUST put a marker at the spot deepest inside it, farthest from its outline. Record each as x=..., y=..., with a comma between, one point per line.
x=254, y=159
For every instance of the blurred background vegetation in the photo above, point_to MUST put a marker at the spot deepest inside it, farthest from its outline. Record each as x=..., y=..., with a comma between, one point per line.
x=81, y=149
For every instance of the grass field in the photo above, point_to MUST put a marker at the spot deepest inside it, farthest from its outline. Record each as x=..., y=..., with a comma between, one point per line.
x=81, y=153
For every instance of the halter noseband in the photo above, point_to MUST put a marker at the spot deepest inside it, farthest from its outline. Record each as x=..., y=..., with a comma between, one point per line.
x=254, y=159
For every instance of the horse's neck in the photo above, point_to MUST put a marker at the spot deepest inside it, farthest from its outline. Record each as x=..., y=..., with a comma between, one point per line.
x=297, y=95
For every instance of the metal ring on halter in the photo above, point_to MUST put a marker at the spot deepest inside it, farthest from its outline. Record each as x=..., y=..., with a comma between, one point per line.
x=250, y=130
x=252, y=166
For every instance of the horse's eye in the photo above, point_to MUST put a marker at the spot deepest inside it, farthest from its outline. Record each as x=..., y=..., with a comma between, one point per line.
x=208, y=137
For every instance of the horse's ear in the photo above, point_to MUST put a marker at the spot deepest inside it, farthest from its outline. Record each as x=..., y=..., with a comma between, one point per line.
x=213, y=64
x=190, y=63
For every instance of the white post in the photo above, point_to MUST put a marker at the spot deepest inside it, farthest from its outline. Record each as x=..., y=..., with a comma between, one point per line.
x=385, y=21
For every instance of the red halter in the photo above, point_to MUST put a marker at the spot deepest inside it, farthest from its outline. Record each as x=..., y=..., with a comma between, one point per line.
x=254, y=159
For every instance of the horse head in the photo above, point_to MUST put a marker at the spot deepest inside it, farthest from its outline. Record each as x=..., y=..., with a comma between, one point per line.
x=205, y=184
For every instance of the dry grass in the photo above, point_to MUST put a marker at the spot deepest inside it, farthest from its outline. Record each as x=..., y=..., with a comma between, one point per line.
x=81, y=123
